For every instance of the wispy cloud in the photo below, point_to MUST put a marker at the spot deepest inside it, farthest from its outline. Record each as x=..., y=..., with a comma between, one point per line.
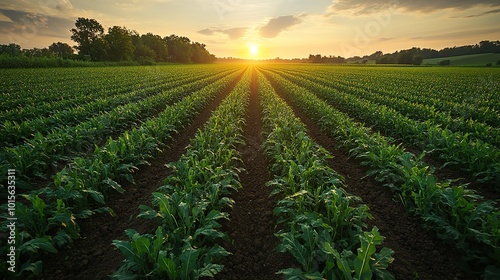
x=276, y=25
x=233, y=33
x=479, y=15
x=363, y=7
x=458, y=34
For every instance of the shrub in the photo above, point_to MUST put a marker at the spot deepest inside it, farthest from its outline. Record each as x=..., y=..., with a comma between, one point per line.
x=445, y=62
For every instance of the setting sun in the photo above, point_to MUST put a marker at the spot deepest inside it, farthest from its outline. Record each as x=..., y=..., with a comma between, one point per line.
x=253, y=49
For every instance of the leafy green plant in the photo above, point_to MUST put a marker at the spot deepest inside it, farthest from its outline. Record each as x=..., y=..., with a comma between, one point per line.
x=456, y=214
x=315, y=213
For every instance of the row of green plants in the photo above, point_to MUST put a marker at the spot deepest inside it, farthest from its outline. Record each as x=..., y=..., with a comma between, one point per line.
x=456, y=214
x=37, y=157
x=24, y=130
x=34, y=88
x=38, y=93
x=411, y=109
x=475, y=157
x=189, y=207
x=322, y=225
x=470, y=93
x=47, y=218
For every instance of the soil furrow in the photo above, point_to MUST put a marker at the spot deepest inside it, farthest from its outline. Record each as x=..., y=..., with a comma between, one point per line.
x=418, y=253
x=252, y=225
x=93, y=256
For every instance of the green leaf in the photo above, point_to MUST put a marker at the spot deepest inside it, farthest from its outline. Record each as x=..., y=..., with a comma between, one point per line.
x=125, y=248
x=314, y=276
x=382, y=261
x=368, y=242
x=292, y=273
x=491, y=273
x=210, y=270
x=124, y=275
x=114, y=185
x=34, y=245
x=188, y=259
x=141, y=245
x=167, y=265
x=344, y=264
x=290, y=244
x=33, y=267
x=97, y=196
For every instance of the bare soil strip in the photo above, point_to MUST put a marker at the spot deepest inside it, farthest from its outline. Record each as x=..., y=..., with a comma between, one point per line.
x=93, y=256
x=251, y=226
x=418, y=253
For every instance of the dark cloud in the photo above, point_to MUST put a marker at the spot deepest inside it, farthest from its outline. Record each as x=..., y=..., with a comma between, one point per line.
x=360, y=7
x=22, y=24
x=25, y=26
x=233, y=33
x=276, y=25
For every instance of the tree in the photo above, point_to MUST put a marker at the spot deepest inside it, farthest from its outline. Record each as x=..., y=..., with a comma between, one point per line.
x=417, y=60
x=179, y=48
x=200, y=54
x=85, y=33
x=10, y=49
x=445, y=62
x=157, y=44
x=120, y=44
x=388, y=59
x=61, y=50
x=144, y=54
x=405, y=58
x=37, y=52
x=376, y=55
x=99, y=50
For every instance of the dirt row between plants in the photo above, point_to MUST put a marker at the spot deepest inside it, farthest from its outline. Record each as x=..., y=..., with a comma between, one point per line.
x=93, y=256
x=251, y=224
x=418, y=253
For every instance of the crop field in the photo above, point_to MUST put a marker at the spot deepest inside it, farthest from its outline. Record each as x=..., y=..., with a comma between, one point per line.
x=250, y=171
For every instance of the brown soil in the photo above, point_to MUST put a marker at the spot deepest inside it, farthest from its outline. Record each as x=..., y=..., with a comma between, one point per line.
x=252, y=225
x=93, y=256
x=418, y=254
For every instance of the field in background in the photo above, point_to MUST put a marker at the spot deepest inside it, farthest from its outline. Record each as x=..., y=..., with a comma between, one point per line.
x=467, y=60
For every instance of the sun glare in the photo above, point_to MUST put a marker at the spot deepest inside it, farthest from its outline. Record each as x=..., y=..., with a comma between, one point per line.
x=253, y=49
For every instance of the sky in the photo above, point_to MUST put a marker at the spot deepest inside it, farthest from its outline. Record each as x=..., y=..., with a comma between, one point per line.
x=262, y=29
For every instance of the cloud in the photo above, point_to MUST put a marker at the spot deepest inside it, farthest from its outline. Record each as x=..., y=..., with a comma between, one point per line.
x=61, y=8
x=19, y=21
x=458, y=34
x=233, y=33
x=385, y=39
x=480, y=15
x=23, y=27
x=364, y=7
x=276, y=25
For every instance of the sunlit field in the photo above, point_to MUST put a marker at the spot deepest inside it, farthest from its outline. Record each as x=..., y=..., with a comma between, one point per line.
x=155, y=170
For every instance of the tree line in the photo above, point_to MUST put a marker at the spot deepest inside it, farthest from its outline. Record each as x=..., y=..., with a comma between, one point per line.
x=417, y=55
x=117, y=44
x=414, y=56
